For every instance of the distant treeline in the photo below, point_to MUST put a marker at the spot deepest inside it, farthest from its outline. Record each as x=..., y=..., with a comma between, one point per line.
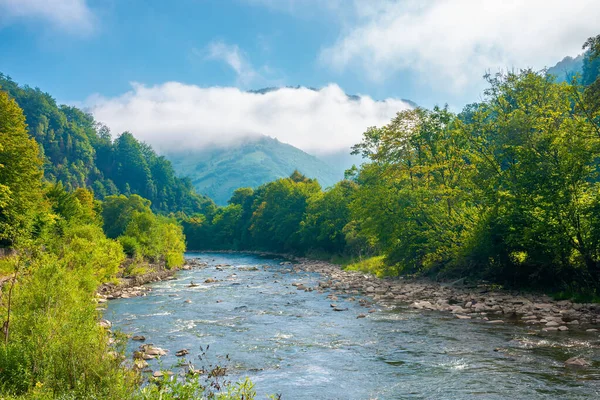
x=508, y=189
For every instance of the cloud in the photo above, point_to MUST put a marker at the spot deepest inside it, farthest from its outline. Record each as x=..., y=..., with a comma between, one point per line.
x=175, y=116
x=451, y=43
x=73, y=16
x=238, y=61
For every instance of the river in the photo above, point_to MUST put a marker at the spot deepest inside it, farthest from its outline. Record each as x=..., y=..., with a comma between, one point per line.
x=293, y=343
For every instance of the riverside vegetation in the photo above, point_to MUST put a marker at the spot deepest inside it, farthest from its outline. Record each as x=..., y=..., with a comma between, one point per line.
x=59, y=245
x=507, y=190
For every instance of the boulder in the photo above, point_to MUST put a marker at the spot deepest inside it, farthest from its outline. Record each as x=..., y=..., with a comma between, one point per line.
x=104, y=323
x=139, y=338
x=577, y=362
x=182, y=353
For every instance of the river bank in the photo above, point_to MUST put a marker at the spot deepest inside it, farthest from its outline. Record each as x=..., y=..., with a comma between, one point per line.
x=476, y=302
x=134, y=285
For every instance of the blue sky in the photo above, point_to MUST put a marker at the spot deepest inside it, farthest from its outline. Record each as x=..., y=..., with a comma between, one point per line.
x=153, y=41
x=122, y=58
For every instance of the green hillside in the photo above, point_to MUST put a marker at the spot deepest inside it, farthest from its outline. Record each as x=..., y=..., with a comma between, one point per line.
x=216, y=172
x=80, y=152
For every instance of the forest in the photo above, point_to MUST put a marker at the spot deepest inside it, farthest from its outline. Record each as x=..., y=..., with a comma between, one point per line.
x=507, y=190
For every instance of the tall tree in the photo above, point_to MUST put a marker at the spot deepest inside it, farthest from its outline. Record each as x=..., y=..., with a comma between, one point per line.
x=20, y=173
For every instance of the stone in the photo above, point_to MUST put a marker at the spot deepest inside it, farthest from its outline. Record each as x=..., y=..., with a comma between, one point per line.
x=591, y=330
x=188, y=301
x=563, y=328
x=552, y=323
x=340, y=309
x=154, y=351
x=140, y=364
x=577, y=362
x=182, y=353
x=496, y=321
x=361, y=316
x=104, y=323
x=210, y=280
x=139, y=338
x=460, y=316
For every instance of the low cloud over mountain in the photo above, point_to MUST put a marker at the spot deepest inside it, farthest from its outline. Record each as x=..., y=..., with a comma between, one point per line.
x=172, y=115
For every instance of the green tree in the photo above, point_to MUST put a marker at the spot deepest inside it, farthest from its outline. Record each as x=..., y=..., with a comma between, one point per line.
x=20, y=174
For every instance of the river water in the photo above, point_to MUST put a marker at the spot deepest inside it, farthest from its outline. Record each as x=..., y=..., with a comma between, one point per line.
x=291, y=342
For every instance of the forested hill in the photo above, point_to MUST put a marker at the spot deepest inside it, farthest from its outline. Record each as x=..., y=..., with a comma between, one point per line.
x=217, y=172
x=566, y=69
x=80, y=152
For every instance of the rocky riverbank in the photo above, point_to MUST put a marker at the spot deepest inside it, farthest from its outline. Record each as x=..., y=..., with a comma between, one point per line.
x=133, y=286
x=468, y=302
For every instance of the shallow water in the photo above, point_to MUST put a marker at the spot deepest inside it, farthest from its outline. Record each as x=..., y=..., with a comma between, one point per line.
x=291, y=342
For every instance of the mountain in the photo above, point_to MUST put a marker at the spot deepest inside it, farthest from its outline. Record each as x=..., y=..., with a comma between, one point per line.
x=586, y=66
x=80, y=152
x=565, y=69
x=217, y=171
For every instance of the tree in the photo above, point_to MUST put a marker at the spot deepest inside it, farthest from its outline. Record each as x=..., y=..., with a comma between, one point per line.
x=20, y=174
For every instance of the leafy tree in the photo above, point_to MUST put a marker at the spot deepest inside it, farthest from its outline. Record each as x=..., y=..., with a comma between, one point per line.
x=20, y=174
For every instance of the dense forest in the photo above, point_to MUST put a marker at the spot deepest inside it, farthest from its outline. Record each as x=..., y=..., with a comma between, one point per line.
x=80, y=153
x=59, y=243
x=506, y=190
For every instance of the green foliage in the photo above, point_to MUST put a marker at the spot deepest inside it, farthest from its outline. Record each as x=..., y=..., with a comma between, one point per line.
x=54, y=344
x=142, y=233
x=191, y=387
x=20, y=173
x=414, y=195
x=218, y=172
x=80, y=153
x=506, y=190
x=290, y=214
x=373, y=265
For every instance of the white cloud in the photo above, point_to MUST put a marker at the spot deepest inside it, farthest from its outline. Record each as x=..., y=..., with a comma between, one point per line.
x=176, y=116
x=70, y=15
x=232, y=56
x=237, y=60
x=451, y=43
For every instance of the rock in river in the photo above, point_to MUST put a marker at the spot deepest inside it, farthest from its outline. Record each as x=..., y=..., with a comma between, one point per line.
x=182, y=353
x=577, y=362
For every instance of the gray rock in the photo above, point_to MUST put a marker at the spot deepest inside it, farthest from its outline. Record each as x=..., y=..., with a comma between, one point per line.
x=577, y=362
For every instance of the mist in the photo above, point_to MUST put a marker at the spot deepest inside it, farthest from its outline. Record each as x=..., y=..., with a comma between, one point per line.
x=175, y=116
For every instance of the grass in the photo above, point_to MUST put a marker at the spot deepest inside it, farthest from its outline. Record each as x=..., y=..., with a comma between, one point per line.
x=578, y=296
x=373, y=265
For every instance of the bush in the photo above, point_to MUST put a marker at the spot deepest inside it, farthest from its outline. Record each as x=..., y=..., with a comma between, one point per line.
x=131, y=247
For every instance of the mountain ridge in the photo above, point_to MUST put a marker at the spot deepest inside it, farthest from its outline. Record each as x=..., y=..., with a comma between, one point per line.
x=218, y=170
